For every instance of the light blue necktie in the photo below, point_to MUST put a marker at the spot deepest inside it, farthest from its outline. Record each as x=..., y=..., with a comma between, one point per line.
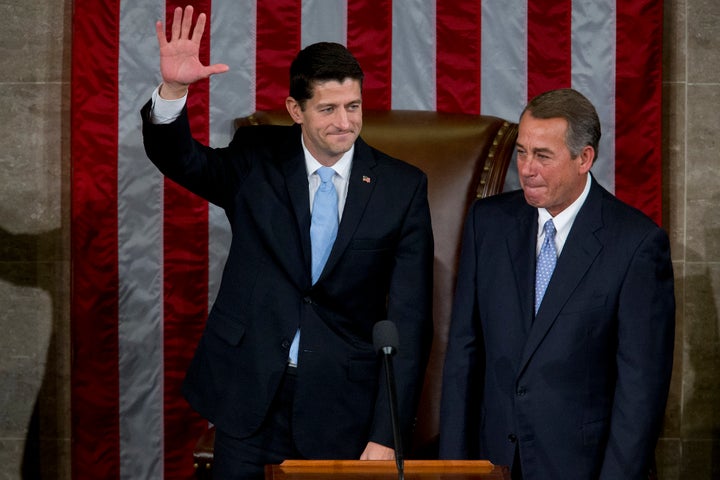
x=323, y=230
x=545, y=263
x=324, y=224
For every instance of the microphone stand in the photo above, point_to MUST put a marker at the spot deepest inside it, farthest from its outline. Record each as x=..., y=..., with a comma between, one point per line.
x=390, y=376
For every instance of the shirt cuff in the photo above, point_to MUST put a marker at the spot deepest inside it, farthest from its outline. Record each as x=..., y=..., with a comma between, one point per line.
x=165, y=111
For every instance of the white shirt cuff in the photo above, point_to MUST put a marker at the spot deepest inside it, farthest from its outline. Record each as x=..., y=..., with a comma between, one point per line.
x=165, y=111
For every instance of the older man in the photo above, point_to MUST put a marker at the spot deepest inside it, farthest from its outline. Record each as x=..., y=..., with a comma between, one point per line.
x=561, y=343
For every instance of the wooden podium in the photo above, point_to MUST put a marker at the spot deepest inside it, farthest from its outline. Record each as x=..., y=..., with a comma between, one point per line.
x=386, y=470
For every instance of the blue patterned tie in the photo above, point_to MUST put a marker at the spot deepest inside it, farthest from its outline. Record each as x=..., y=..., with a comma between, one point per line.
x=545, y=263
x=324, y=224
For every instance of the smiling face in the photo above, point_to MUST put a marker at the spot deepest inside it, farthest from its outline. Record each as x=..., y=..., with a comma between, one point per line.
x=549, y=176
x=331, y=119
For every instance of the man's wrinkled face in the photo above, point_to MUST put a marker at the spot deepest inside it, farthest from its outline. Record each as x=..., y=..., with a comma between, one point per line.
x=550, y=177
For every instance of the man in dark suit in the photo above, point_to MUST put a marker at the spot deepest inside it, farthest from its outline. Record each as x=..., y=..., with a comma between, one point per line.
x=572, y=384
x=286, y=367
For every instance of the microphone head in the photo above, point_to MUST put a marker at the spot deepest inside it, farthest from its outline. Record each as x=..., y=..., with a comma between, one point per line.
x=385, y=335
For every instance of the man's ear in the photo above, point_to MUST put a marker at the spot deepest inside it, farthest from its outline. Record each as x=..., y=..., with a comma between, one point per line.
x=294, y=109
x=586, y=158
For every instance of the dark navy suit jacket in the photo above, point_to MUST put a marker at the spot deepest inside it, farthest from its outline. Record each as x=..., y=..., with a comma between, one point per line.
x=582, y=387
x=380, y=268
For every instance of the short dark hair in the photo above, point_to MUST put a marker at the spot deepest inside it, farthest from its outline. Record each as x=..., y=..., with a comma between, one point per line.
x=321, y=62
x=577, y=110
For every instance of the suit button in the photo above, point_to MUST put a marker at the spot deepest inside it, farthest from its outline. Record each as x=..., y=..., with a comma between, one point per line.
x=285, y=344
x=521, y=391
x=308, y=300
x=512, y=438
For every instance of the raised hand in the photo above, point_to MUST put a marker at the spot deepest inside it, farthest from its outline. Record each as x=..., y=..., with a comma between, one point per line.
x=180, y=56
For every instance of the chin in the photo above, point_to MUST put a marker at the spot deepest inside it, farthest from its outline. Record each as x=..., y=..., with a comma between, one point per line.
x=533, y=201
x=342, y=149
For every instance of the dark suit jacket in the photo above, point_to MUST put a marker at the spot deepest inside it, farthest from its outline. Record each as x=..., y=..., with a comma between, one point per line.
x=583, y=386
x=380, y=267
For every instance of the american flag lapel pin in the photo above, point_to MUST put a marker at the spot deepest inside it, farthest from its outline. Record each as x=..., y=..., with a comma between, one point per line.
x=366, y=179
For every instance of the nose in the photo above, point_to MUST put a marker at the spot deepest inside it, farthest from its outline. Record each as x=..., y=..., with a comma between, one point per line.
x=341, y=119
x=526, y=166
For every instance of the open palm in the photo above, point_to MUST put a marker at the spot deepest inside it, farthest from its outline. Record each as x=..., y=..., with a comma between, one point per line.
x=180, y=63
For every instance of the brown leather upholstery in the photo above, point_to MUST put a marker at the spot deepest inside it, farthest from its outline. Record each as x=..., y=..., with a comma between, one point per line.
x=464, y=157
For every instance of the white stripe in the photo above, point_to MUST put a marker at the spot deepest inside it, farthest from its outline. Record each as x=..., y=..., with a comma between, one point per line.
x=504, y=64
x=232, y=94
x=414, y=41
x=503, y=61
x=593, y=74
x=323, y=21
x=140, y=359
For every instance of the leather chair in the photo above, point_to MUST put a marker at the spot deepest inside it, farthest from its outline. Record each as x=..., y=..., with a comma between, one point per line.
x=465, y=157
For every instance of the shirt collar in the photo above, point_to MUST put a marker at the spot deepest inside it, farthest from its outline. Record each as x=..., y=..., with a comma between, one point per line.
x=341, y=167
x=564, y=219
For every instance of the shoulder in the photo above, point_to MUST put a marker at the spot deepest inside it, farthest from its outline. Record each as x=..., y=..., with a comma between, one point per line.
x=267, y=146
x=265, y=135
x=622, y=217
x=618, y=225
x=500, y=216
x=503, y=206
x=400, y=169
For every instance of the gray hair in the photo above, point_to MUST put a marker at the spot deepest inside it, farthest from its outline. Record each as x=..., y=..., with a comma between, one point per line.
x=581, y=116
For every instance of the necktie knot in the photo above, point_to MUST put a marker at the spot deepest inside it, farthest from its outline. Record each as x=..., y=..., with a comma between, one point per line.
x=549, y=229
x=326, y=175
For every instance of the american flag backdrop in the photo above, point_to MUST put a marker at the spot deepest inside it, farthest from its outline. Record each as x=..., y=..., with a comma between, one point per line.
x=147, y=256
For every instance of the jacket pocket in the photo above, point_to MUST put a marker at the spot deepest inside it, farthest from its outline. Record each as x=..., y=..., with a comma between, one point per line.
x=370, y=244
x=587, y=304
x=226, y=329
x=362, y=369
x=594, y=433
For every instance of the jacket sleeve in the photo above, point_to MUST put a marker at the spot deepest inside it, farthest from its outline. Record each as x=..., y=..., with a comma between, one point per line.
x=211, y=173
x=646, y=326
x=462, y=382
x=410, y=307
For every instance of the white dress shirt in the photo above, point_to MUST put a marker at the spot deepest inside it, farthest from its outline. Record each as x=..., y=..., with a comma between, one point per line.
x=563, y=221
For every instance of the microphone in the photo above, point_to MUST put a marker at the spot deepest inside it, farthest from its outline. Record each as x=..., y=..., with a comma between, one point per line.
x=385, y=341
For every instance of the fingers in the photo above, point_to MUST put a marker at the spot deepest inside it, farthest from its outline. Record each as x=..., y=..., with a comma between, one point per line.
x=216, y=68
x=175, y=29
x=160, y=32
x=182, y=26
x=187, y=18
x=199, y=28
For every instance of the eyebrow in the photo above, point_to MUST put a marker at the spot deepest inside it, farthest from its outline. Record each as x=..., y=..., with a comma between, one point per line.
x=334, y=104
x=535, y=150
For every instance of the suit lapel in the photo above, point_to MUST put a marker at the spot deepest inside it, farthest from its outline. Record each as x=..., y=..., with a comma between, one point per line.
x=361, y=184
x=297, y=187
x=285, y=219
x=521, y=248
x=359, y=192
x=581, y=248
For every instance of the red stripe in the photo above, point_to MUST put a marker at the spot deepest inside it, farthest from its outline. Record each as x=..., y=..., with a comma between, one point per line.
x=94, y=297
x=369, y=38
x=277, y=43
x=638, y=100
x=185, y=251
x=458, y=56
x=549, y=45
